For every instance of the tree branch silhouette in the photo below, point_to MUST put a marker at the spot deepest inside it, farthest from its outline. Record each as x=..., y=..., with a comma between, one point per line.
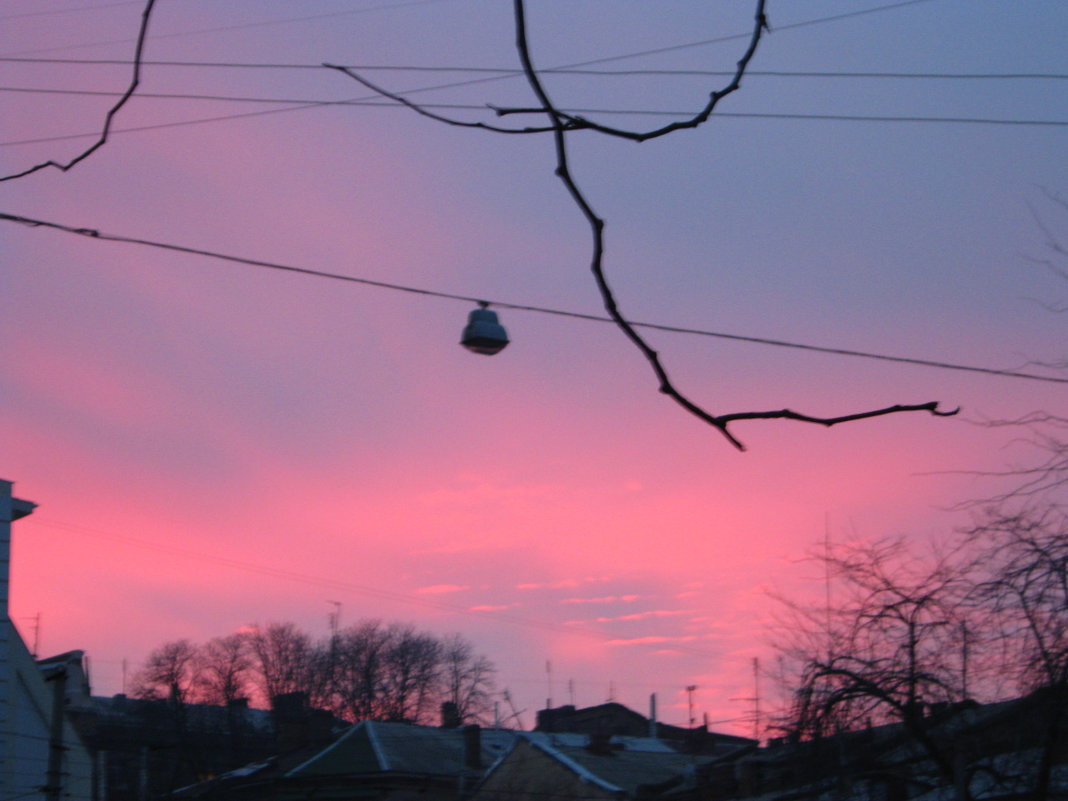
x=560, y=125
x=135, y=81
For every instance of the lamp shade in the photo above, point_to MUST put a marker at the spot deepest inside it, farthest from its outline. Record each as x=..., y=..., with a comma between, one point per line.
x=483, y=333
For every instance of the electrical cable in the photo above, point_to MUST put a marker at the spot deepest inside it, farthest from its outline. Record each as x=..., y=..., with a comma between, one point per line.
x=94, y=234
x=606, y=59
x=55, y=11
x=242, y=26
x=549, y=71
x=386, y=103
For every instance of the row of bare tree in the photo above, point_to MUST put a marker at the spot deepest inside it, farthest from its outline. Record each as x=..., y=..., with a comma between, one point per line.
x=901, y=634
x=984, y=617
x=368, y=671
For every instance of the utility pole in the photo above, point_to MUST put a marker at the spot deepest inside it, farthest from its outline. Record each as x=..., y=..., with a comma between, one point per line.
x=549, y=684
x=690, y=689
x=756, y=698
x=335, y=619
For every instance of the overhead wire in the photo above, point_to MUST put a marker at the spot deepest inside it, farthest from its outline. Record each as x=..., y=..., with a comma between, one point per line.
x=241, y=26
x=759, y=340
x=548, y=71
x=56, y=11
x=387, y=7
x=386, y=103
x=307, y=271
x=601, y=60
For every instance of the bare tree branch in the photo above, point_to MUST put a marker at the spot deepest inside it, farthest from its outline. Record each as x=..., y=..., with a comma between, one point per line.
x=134, y=83
x=562, y=123
x=429, y=114
x=573, y=122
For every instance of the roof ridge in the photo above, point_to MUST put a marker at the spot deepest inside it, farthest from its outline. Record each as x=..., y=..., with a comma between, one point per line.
x=320, y=754
x=380, y=754
x=584, y=773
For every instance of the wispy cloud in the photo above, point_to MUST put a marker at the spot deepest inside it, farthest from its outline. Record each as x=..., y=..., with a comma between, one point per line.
x=652, y=613
x=563, y=584
x=653, y=640
x=646, y=615
x=555, y=585
x=441, y=589
x=606, y=599
x=490, y=607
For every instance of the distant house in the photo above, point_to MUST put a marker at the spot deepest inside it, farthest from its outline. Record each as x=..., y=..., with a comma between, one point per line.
x=615, y=719
x=146, y=748
x=543, y=766
x=371, y=760
x=381, y=760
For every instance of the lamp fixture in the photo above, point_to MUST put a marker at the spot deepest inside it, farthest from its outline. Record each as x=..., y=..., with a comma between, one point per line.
x=483, y=333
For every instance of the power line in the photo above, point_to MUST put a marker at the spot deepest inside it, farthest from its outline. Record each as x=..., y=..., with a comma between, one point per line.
x=601, y=60
x=241, y=26
x=55, y=11
x=95, y=234
x=386, y=103
x=606, y=59
x=515, y=71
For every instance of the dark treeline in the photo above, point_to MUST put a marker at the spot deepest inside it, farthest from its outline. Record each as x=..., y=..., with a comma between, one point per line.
x=368, y=671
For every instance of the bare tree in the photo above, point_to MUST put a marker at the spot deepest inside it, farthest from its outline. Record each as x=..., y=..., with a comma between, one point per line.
x=169, y=672
x=410, y=675
x=282, y=659
x=223, y=668
x=892, y=644
x=358, y=670
x=1024, y=589
x=466, y=679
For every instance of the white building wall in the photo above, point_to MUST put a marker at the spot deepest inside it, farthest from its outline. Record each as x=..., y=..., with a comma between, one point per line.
x=27, y=739
x=26, y=700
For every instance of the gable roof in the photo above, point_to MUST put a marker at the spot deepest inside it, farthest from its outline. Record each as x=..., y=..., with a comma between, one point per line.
x=401, y=748
x=622, y=766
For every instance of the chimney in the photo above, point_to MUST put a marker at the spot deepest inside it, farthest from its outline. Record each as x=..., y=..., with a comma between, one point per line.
x=290, y=712
x=472, y=746
x=600, y=743
x=450, y=715
x=555, y=720
x=652, y=716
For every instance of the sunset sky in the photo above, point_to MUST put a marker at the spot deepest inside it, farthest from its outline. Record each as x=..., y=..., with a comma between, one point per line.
x=213, y=445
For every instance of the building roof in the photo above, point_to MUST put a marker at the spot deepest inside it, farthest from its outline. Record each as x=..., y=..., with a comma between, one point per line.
x=626, y=770
x=378, y=747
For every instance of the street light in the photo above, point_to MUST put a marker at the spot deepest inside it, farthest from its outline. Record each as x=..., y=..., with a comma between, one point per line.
x=483, y=333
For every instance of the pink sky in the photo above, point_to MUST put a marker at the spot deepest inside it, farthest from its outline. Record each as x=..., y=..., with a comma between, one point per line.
x=213, y=445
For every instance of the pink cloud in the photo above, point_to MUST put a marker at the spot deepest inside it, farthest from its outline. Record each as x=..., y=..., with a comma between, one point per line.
x=654, y=639
x=645, y=615
x=442, y=589
x=603, y=600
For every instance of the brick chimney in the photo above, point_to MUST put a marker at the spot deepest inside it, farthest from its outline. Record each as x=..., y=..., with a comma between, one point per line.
x=472, y=746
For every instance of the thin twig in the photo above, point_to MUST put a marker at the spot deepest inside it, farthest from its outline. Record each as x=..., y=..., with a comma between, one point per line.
x=421, y=110
x=103, y=138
